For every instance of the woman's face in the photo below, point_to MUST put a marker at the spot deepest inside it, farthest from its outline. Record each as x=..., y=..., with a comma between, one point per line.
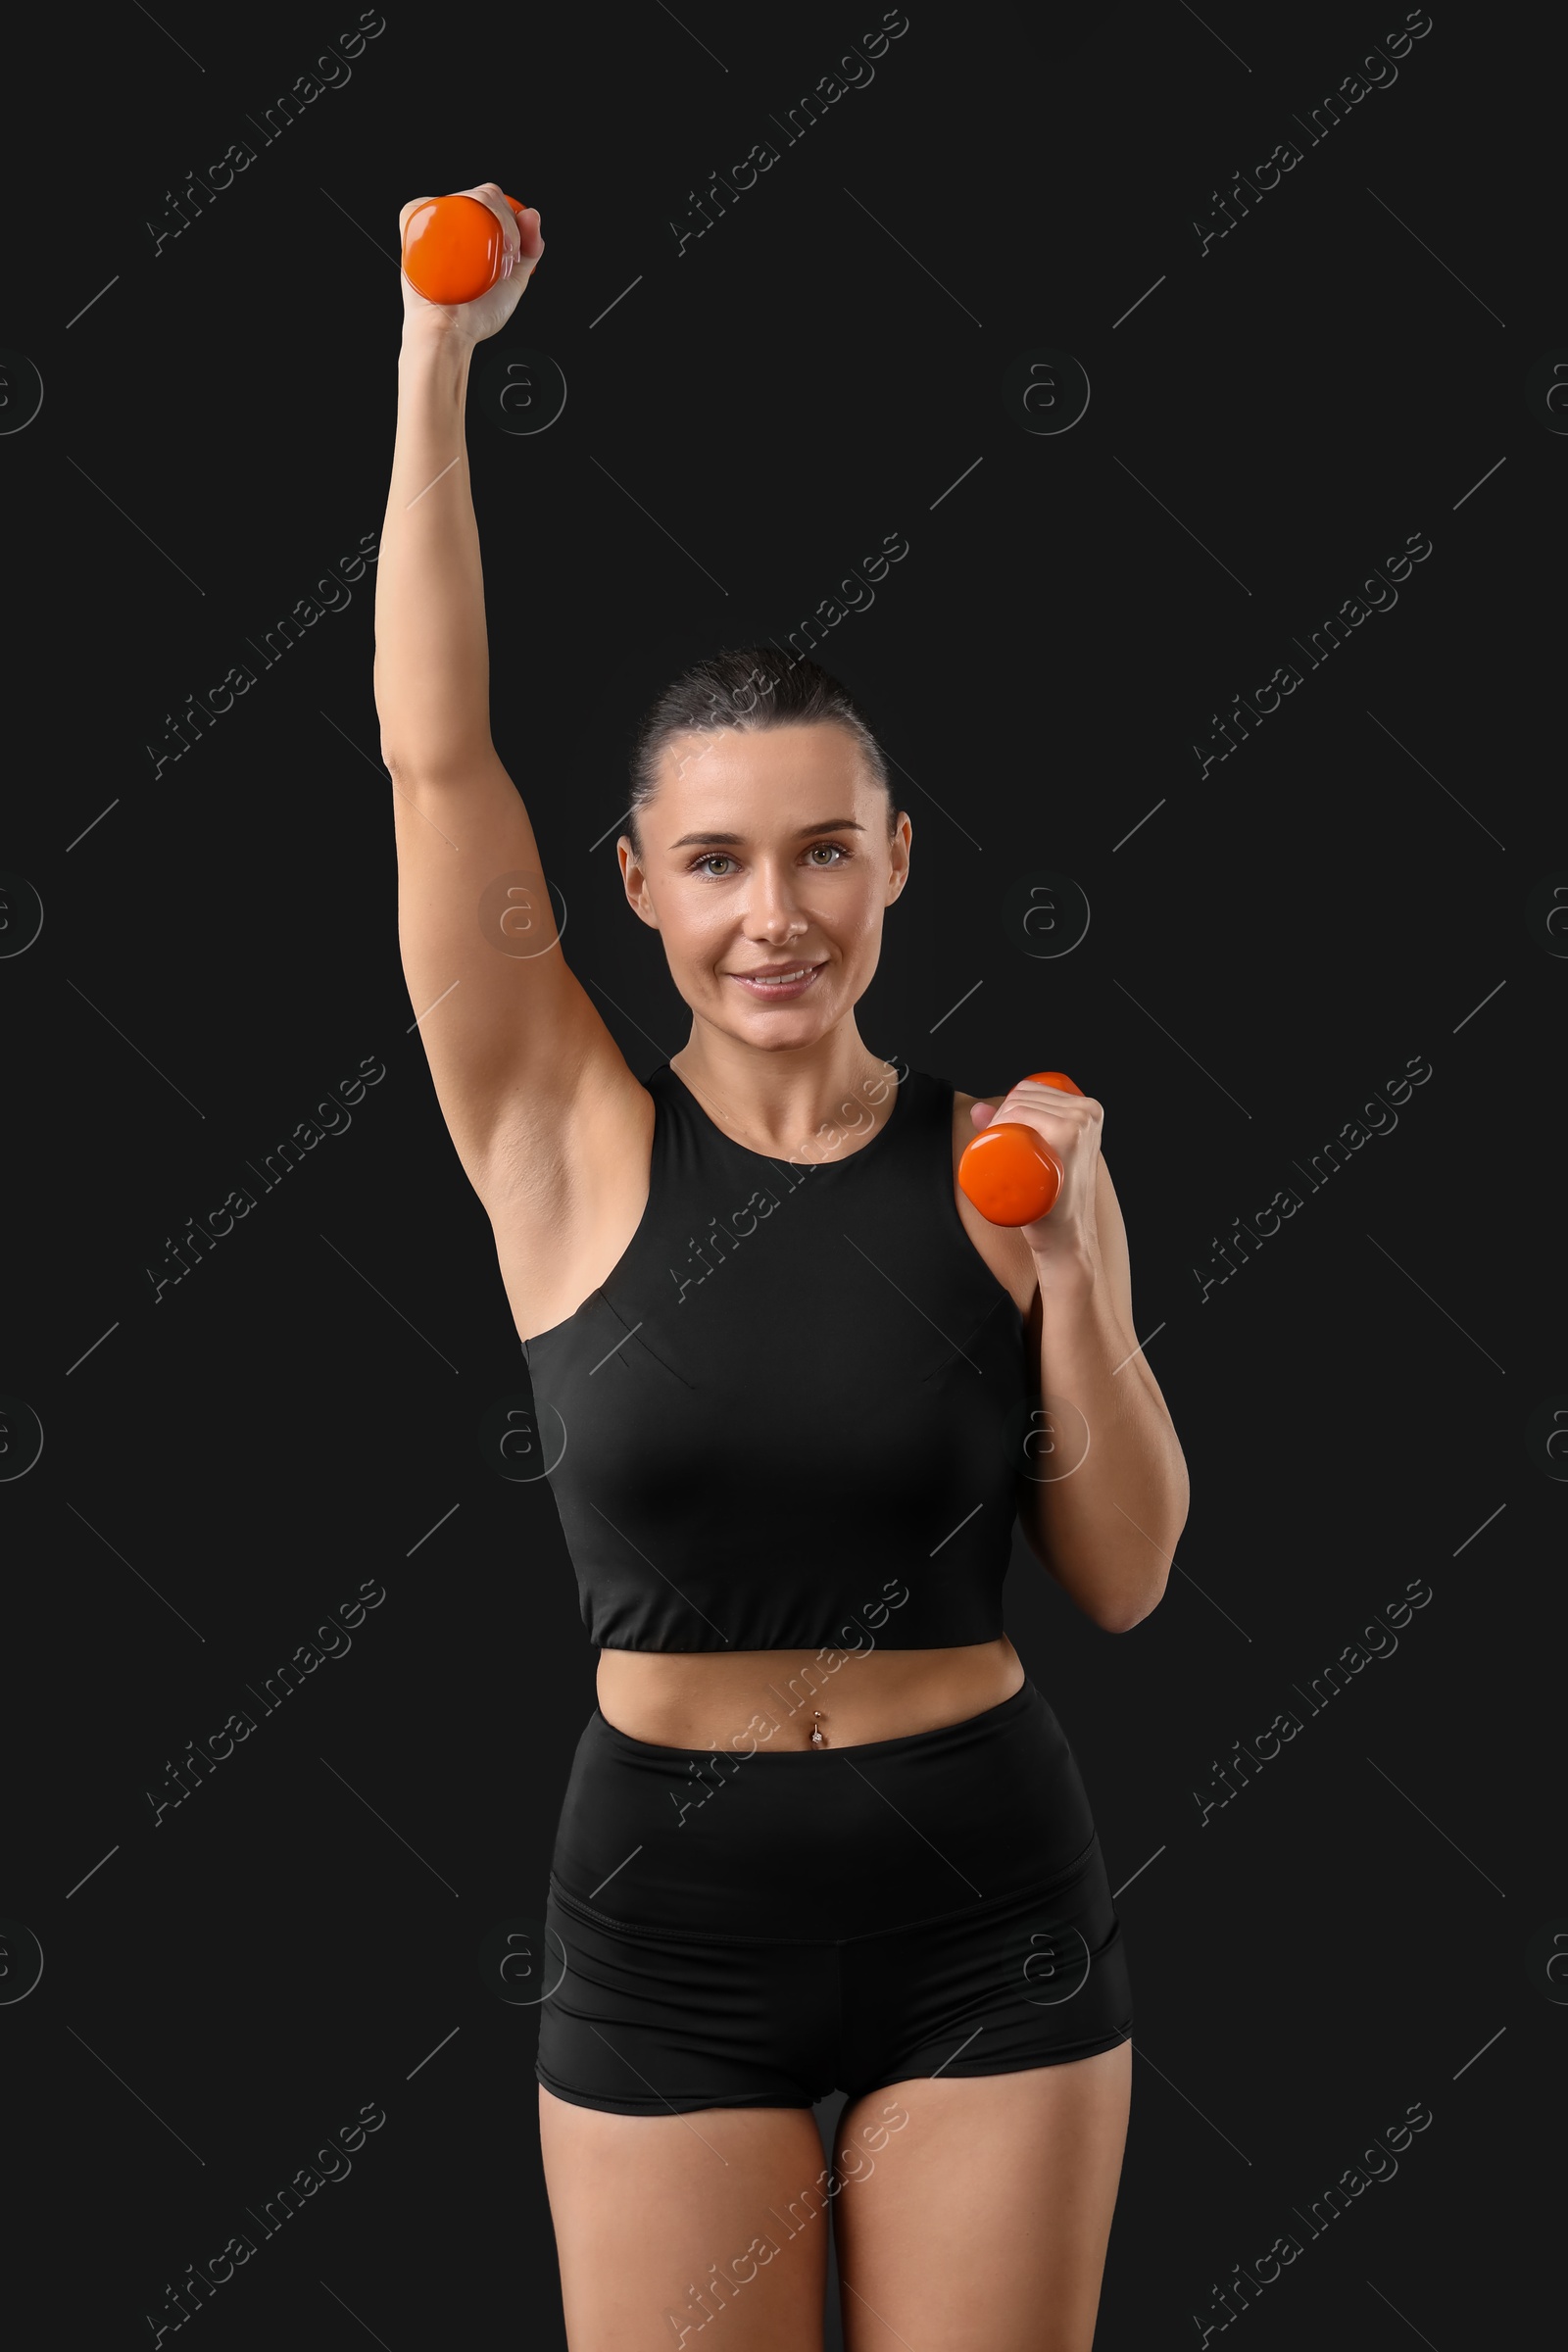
x=767, y=851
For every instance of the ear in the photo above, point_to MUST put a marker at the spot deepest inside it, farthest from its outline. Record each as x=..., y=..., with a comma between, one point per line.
x=634, y=882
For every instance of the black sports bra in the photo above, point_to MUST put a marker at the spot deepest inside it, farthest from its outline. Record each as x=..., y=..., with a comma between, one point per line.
x=793, y=1415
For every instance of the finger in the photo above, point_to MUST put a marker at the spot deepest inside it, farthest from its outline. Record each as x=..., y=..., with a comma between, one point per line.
x=1052, y=1099
x=1046, y=1100
x=490, y=194
x=1051, y=1114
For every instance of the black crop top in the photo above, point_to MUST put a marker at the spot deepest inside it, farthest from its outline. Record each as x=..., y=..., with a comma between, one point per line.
x=793, y=1415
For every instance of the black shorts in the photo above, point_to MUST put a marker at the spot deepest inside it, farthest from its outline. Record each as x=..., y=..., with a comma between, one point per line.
x=756, y=1929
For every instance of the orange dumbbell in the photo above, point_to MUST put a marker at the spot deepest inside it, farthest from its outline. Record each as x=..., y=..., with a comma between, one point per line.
x=1010, y=1171
x=453, y=248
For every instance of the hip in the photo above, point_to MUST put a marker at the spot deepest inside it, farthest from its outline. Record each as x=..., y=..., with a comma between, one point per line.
x=766, y=1843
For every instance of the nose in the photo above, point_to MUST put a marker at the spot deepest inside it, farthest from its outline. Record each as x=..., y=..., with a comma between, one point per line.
x=773, y=913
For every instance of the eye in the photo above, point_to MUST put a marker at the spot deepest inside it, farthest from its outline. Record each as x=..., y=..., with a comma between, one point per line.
x=703, y=863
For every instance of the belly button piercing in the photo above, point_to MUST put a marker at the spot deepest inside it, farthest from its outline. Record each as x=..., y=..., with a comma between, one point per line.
x=818, y=1739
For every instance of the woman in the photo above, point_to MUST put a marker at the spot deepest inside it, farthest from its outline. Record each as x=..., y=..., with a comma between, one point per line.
x=821, y=1831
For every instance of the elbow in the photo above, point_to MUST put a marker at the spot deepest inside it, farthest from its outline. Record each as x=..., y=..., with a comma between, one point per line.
x=1119, y=1616
x=439, y=767
x=1139, y=1601
x=404, y=765
x=412, y=771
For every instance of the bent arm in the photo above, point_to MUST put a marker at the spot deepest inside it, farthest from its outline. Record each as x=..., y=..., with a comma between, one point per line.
x=1106, y=1529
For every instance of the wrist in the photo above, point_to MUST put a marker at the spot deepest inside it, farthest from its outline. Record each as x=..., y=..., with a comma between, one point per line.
x=1068, y=1277
x=436, y=339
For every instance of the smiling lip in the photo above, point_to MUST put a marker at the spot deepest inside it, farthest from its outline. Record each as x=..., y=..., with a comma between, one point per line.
x=761, y=984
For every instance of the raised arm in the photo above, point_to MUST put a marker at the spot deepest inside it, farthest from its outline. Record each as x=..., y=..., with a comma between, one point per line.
x=512, y=1038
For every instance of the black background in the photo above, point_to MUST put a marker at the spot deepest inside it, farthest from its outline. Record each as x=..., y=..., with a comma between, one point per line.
x=1342, y=894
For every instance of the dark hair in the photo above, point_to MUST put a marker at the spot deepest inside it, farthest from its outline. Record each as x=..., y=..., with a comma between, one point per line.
x=748, y=687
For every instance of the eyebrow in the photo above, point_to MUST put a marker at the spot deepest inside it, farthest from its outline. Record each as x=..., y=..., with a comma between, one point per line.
x=828, y=824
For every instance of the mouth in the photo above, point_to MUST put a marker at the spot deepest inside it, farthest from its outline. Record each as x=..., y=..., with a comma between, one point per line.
x=786, y=983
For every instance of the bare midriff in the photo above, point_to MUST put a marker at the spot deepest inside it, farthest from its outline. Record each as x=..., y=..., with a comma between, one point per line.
x=768, y=1700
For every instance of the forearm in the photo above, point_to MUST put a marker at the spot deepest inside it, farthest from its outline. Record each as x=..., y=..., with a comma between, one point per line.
x=1108, y=1528
x=432, y=664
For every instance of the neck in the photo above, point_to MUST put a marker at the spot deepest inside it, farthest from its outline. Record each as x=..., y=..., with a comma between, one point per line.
x=808, y=1103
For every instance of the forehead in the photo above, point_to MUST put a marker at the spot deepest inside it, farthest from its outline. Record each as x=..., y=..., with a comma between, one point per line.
x=769, y=768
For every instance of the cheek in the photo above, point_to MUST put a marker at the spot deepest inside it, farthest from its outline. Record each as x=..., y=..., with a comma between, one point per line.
x=855, y=921
x=688, y=919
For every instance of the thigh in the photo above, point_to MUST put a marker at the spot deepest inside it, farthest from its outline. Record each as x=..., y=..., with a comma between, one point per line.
x=663, y=2222
x=980, y=2223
